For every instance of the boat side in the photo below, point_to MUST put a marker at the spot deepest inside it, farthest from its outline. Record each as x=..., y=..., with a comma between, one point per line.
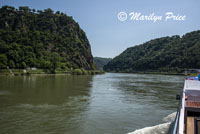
x=188, y=113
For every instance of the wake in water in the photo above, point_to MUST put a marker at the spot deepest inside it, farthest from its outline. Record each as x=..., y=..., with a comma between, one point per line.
x=68, y=104
x=30, y=106
x=170, y=117
x=158, y=129
x=4, y=92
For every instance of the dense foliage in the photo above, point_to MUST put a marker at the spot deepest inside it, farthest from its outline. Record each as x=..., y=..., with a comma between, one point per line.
x=42, y=39
x=162, y=54
x=100, y=62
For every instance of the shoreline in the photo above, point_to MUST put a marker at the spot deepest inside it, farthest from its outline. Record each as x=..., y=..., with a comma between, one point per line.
x=17, y=72
x=158, y=73
x=27, y=72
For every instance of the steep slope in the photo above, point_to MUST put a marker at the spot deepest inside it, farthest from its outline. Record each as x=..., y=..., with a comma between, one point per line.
x=42, y=39
x=162, y=54
x=100, y=62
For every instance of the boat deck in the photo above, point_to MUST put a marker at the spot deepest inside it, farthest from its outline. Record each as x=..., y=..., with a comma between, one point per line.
x=193, y=95
x=192, y=98
x=192, y=106
x=190, y=125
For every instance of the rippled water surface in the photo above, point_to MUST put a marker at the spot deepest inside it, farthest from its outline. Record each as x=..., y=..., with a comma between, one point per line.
x=101, y=104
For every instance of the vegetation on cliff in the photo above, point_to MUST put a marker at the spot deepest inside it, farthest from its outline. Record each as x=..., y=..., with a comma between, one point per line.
x=42, y=39
x=163, y=54
x=100, y=62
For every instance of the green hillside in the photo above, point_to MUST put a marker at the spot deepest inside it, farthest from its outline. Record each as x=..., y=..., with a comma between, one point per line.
x=163, y=54
x=100, y=62
x=42, y=39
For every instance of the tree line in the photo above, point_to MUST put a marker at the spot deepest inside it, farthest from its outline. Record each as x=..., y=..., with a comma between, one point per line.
x=162, y=54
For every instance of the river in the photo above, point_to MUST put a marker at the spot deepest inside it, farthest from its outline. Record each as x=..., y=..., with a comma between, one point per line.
x=112, y=103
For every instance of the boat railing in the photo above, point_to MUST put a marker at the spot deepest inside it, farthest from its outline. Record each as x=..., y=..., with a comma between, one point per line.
x=176, y=122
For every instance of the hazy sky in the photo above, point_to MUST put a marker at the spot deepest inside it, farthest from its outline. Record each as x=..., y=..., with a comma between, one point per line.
x=108, y=35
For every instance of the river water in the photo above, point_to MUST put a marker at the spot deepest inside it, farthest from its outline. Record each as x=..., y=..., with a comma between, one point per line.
x=111, y=103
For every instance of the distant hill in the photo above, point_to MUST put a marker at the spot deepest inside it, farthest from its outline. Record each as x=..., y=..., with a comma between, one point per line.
x=42, y=39
x=100, y=62
x=161, y=54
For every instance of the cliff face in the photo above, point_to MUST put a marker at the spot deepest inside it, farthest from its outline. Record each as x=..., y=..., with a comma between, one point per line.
x=42, y=39
x=162, y=54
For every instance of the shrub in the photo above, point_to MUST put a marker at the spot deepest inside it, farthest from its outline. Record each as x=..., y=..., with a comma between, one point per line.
x=78, y=72
x=84, y=71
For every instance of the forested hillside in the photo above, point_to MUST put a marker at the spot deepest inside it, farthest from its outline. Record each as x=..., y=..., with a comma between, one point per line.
x=162, y=54
x=42, y=39
x=100, y=62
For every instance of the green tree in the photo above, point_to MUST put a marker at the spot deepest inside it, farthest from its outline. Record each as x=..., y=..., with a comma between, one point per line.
x=3, y=61
x=48, y=11
x=23, y=65
x=24, y=9
x=11, y=64
x=47, y=64
x=55, y=59
x=3, y=47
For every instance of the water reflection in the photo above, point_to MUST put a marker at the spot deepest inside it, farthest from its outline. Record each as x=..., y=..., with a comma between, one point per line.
x=108, y=103
x=159, y=89
x=131, y=101
x=43, y=103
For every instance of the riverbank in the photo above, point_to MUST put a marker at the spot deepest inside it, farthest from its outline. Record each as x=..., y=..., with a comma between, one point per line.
x=162, y=73
x=44, y=71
